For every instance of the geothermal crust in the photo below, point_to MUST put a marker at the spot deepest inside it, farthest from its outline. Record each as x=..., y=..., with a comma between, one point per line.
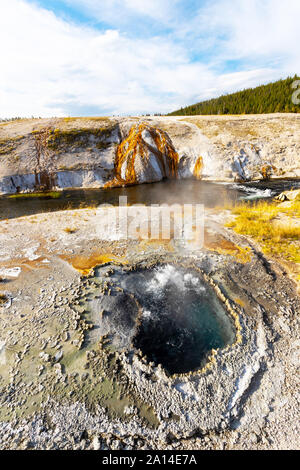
x=103, y=152
x=68, y=384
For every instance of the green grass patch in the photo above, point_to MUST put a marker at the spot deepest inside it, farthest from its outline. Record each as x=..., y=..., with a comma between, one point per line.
x=43, y=195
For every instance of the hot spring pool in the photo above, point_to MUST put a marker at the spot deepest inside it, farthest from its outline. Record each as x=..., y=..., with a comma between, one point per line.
x=180, y=320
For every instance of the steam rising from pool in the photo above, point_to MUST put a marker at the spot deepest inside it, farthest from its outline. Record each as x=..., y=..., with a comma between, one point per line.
x=169, y=274
x=182, y=319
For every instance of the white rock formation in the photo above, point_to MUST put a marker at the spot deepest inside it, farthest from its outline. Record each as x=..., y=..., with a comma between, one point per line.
x=103, y=152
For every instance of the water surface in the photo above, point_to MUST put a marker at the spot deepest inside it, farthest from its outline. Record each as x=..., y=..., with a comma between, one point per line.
x=182, y=319
x=169, y=191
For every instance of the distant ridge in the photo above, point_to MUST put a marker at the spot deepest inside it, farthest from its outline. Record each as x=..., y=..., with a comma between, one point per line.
x=275, y=97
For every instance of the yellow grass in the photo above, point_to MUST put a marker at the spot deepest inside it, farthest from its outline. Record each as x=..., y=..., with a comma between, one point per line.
x=263, y=223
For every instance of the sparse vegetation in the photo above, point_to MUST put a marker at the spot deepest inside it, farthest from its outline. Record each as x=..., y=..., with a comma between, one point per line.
x=80, y=137
x=47, y=194
x=272, y=225
x=9, y=145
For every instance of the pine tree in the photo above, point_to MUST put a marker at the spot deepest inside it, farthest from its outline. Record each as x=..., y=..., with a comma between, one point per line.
x=272, y=98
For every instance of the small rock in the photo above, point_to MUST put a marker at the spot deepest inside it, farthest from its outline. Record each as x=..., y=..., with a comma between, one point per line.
x=96, y=443
x=58, y=356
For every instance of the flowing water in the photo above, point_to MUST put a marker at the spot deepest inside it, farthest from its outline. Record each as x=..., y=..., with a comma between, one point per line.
x=168, y=191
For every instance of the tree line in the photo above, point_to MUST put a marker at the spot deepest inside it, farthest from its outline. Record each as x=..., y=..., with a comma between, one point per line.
x=274, y=97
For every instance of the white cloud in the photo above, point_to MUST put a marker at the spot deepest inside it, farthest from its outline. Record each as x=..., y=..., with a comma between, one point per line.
x=52, y=67
x=122, y=11
x=253, y=28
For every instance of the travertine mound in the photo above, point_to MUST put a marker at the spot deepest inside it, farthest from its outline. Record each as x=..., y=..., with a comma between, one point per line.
x=146, y=155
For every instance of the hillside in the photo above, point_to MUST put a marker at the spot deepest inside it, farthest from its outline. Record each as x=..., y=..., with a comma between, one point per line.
x=272, y=98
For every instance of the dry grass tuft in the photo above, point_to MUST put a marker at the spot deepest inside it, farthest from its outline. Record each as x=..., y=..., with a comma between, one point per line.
x=264, y=223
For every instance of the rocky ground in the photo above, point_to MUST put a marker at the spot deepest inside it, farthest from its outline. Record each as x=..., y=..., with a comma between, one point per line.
x=96, y=152
x=64, y=387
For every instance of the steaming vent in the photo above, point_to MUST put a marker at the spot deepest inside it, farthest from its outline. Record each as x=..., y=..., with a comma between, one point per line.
x=169, y=313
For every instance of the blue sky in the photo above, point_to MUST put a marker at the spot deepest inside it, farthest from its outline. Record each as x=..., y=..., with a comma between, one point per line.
x=99, y=57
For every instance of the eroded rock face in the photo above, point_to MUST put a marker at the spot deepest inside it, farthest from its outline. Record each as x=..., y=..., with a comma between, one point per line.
x=105, y=152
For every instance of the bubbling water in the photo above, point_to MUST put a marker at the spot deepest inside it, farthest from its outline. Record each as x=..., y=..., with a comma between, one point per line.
x=182, y=319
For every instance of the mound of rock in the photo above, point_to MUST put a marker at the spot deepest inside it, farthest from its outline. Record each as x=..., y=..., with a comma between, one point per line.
x=146, y=155
x=289, y=195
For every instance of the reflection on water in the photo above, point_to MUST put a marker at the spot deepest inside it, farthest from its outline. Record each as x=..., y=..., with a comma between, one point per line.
x=168, y=192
